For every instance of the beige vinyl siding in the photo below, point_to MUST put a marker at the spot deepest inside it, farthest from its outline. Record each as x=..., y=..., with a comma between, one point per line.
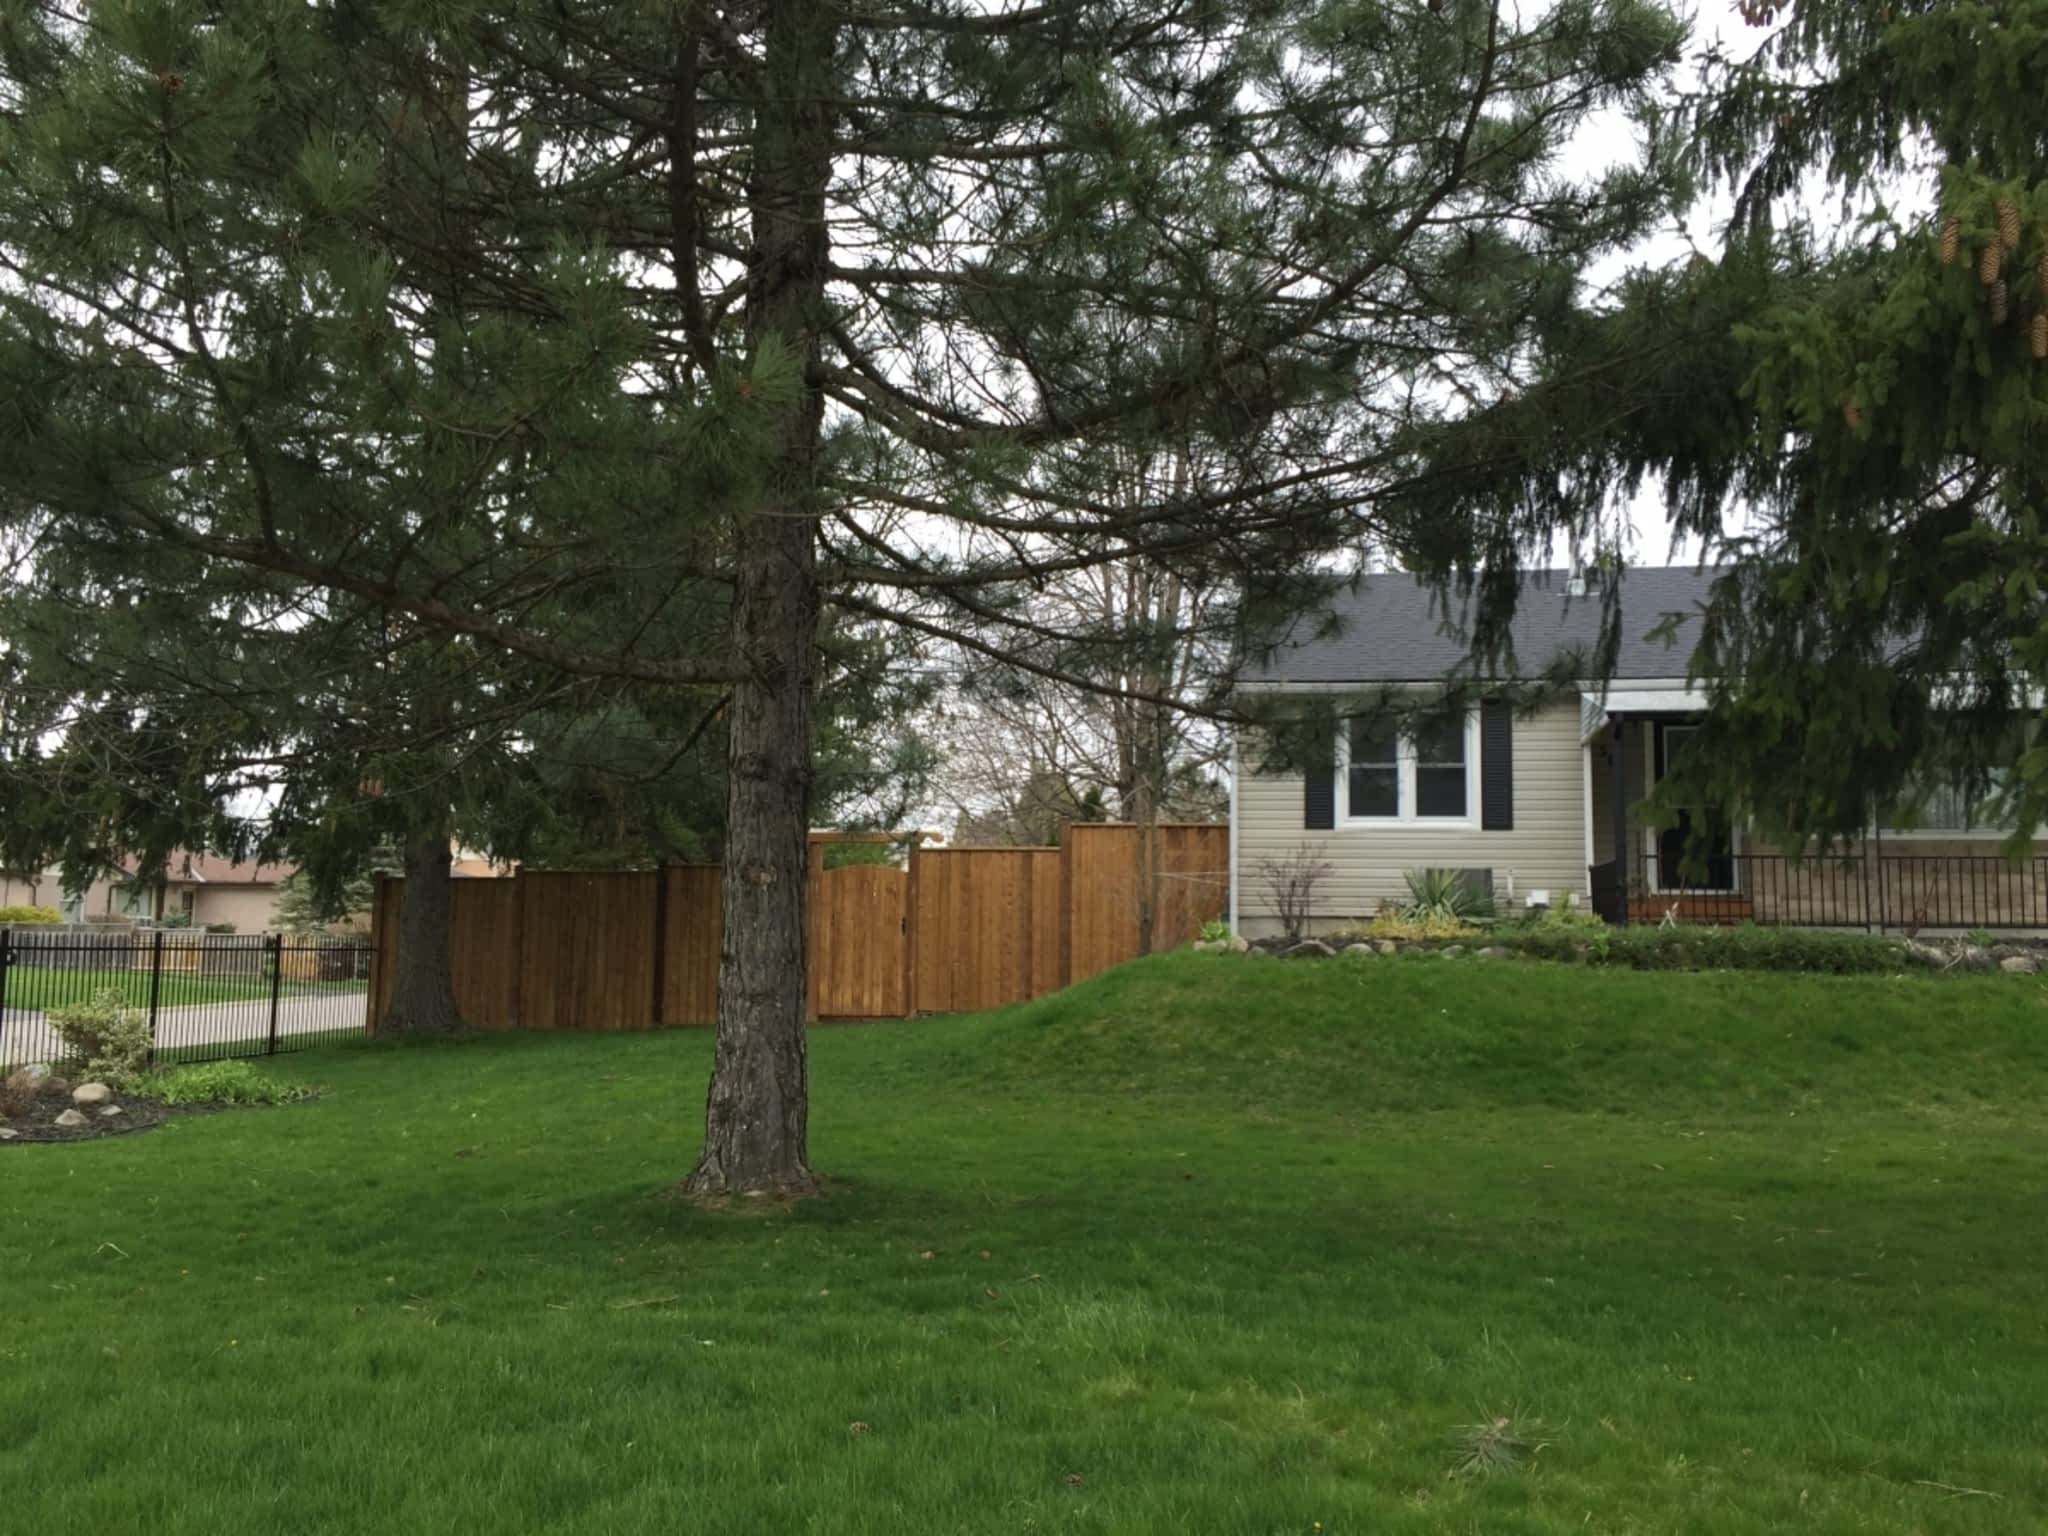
x=1546, y=851
x=251, y=908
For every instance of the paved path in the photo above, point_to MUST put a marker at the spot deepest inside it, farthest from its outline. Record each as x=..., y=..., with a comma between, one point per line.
x=26, y=1037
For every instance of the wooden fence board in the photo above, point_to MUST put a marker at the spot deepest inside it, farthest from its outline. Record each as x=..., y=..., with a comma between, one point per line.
x=963, y=928
x=588, y=960
x=1104, y=880
x=483, y=936
x=857, y=940
x=695, y=926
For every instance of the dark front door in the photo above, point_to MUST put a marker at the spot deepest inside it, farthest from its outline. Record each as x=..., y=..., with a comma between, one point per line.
x=1698, y=852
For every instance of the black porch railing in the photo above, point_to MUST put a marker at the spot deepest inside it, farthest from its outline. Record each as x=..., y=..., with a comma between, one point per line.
x=1902, y=892
x=207, y=995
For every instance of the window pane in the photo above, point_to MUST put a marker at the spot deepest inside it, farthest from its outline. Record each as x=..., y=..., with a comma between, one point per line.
x=1375, y=792
x=1373, y=742
x=1442, y=744
x=1439, y=791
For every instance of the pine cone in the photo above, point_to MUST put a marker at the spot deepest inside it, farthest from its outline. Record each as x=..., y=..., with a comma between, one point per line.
x=1988, y=261
x=1999, y=303
x=2040, y=335
x=1852, y=413
x=2008, y=223
x=1952, y=240
x=2041, y=272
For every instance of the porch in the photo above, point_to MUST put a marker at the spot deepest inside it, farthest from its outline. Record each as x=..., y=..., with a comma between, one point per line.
x=1713, y=872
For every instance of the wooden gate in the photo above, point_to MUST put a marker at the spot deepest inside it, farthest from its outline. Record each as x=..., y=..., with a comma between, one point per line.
x=860, y=960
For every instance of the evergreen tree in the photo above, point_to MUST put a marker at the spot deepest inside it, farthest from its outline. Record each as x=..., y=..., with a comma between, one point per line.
x=805, y=301
x=1849, y=413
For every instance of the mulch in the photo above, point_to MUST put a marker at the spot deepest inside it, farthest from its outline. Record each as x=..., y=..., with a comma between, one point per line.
x=39, y=1121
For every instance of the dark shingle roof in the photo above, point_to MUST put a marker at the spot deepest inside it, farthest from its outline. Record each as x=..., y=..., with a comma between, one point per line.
x=1394, y=629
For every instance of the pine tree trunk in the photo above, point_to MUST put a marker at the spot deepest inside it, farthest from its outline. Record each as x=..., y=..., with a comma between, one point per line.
x=756, y=1114
x=423, y=988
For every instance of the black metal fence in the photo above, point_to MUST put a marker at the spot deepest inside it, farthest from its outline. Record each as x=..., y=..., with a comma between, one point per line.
x=206, y=995
x=1892, y=892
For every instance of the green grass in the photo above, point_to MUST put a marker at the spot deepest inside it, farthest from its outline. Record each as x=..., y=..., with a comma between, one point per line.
x=40, y=988
x=1241, y=1245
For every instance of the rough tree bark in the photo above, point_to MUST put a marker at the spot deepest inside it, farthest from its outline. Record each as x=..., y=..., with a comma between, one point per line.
x=756, y=1113
x=422, y=987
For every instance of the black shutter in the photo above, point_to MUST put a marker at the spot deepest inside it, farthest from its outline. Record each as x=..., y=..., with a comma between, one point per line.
x=1496, y=766
x=1319, y=798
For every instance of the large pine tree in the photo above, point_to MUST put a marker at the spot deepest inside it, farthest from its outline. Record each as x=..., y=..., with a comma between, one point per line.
x=825, y=304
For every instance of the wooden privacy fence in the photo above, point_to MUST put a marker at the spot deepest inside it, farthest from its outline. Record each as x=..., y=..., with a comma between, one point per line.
x=961, y=928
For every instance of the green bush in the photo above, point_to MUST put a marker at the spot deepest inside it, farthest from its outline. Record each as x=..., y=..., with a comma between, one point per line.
x=221, y=1082
x=1215, y=931
x=25, y=916
x=1441, y=895
x=105, y=1040
x=1682, y=948
x=1402, y=924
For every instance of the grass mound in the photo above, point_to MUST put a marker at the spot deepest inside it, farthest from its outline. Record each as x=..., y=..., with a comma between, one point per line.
x=1360, y=1036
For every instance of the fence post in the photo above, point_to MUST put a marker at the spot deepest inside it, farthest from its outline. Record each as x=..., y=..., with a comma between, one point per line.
x=156, y=984
x=6, y=960
x=276, y=986
x=660, y=944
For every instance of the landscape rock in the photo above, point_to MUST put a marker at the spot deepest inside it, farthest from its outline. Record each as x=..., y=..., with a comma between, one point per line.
x=1360, y=948
x=7, y=1133
x=108, y=1111
x=72, y=1118
x=1210, y=946
x=34, y=1072
x=89, y=1094
x=1494, y=952
x=1239, y=943
x=1452, y=951
x=2019, y=965
x=1309, y=949
x=1386, y=946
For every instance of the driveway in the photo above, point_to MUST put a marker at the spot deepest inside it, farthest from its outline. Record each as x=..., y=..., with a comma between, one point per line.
x=26, y=1037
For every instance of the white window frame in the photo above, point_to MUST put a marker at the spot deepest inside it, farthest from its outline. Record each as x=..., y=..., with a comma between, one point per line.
x=1404, y=763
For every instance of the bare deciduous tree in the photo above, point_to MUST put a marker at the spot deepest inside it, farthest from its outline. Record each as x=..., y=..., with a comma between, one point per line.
x=1291, y=880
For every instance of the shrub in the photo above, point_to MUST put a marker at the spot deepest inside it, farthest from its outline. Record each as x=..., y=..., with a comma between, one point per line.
x=221, y=1082
x=109, y=1040
x=1443, y=893
x=1215, y=931
x=1291, y=882
x=1398, y=924
x=220, y=927
x=26, y=916
x=1568, y=918
x=1681, y=948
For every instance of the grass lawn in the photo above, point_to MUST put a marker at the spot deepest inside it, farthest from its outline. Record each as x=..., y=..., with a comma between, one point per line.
x=40, y=988
x=1208, y=1244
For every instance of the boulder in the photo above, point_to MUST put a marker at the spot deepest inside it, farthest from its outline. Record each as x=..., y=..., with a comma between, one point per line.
x=8, y=1133
x=1386, y=946
x=2019, y=965
x=34, y=1072
x=1239, y=943
x=1210, y=946
x=88, y=1094
x=108, y=1111
x=71, y=1119
x=1494, y=952
x=1452, y=951
x=1927, y=955
x=1309, y=949
x=1360, y=948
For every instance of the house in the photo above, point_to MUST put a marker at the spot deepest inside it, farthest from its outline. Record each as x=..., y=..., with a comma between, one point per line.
x=1535, y=807
x=201, y=890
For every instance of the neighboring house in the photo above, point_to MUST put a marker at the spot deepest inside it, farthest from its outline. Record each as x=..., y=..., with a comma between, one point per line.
x=1536, y=807
x=201, y=889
